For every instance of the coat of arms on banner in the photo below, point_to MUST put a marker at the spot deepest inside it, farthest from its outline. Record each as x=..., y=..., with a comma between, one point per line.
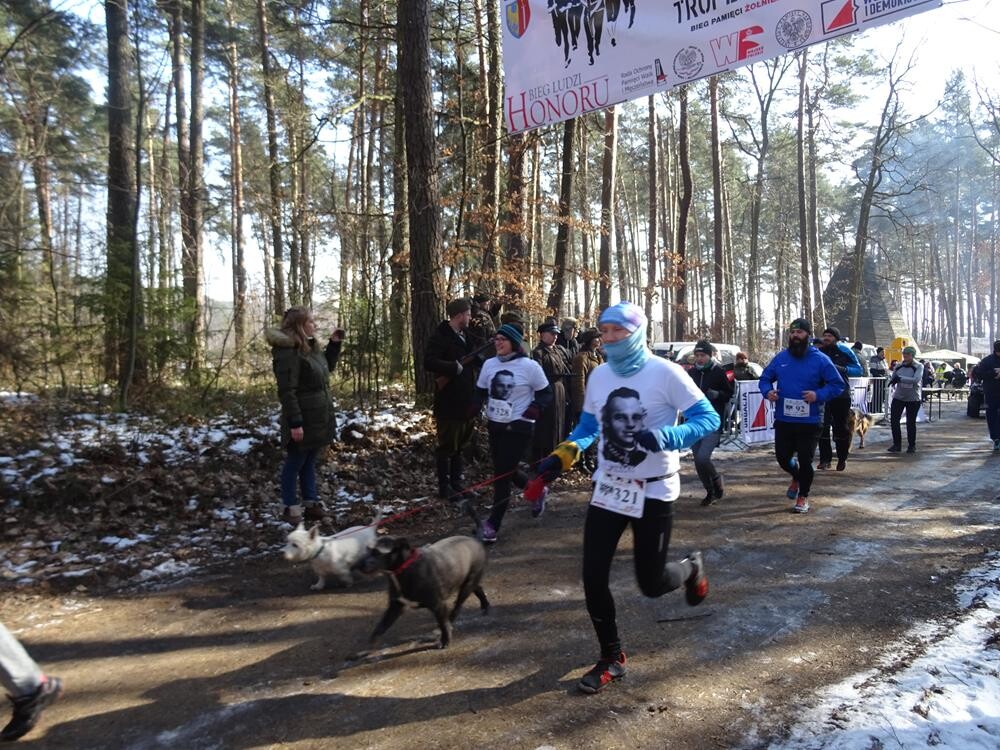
x=518, y=15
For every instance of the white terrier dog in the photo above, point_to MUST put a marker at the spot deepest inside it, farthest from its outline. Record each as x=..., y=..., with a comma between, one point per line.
x=330, y=555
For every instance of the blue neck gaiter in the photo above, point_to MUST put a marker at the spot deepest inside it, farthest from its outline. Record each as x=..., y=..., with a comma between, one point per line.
x=627, y=356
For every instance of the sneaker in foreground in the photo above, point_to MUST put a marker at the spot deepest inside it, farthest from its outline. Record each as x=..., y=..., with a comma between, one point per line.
x=487, y=534
x=28, y=709
x=604, y=672
x=823, y=465
x=292, y=514
x=911, y=449
x=893, y=449
x=841, y=465
x=709, y=499
x=696, y=586
x=793, y=490
x=801, y=505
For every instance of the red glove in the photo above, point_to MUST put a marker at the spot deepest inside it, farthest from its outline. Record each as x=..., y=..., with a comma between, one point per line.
x=535, y=488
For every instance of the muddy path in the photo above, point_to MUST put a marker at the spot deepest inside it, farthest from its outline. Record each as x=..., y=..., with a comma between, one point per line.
x=247, y=656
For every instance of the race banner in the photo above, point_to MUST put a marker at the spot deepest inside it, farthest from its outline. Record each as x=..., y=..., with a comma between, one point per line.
x=756, y=413
x=564, y=58
x=859, y=394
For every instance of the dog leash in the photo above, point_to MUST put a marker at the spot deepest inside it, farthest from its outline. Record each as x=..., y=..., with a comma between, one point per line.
x=429, y=504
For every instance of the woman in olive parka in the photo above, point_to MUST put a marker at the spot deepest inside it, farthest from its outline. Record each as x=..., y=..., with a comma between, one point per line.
x=308, y=423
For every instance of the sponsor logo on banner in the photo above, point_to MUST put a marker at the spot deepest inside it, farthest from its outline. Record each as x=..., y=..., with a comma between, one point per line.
x=737, y=46
x=793, y=29
x=661, y=77
x=689, y=62
x=756, y=414
x=839, y=14
x=518, y=15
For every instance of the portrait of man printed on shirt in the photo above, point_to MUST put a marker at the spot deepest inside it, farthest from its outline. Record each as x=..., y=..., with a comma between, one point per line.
x=622, y=419
x=502, y=385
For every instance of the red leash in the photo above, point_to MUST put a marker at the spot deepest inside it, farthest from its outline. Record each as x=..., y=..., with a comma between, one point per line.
x=428, y=505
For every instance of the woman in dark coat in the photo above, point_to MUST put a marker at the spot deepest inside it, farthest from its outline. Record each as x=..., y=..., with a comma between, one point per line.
x=308, y=423
x=555, y=362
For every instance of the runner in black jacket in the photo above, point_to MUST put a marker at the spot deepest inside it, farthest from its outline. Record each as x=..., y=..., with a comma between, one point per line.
x=717, y=386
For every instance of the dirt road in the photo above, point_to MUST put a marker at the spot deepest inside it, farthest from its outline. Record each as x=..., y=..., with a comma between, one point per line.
x=249, y=657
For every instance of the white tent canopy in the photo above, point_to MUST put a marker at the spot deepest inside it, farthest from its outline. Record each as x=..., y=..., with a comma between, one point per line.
x=948, y=355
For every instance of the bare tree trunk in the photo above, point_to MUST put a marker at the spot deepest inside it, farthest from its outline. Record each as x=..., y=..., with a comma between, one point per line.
x=717, y=222
x=193, y=252
x=555, y=299
x=806, y=308
x=494, y=133
x=516, y=252
x=273, y=167
x=687, y=191
x=425, y=234
x=652, y=249
x=607, y=205
x=121, y=189
x=236, y=182
x=585, y=218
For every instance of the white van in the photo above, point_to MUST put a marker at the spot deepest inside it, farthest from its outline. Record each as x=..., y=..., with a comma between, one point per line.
x=669, y=349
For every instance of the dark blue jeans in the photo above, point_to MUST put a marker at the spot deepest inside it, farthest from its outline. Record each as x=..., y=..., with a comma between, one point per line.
x=300, y=464
x=993, y=419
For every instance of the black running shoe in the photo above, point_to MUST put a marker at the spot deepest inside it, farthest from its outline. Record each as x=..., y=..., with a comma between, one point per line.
x=604, y=672
x=28, y=709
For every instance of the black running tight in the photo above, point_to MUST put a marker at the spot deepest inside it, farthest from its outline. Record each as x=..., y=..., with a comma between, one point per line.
x=796, y=439
x=655, y=575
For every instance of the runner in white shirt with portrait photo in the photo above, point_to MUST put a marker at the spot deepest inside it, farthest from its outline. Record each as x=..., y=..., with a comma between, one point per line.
x=631, y=407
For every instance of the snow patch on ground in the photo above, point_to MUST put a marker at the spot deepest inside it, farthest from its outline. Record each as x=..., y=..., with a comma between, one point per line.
x=946, y=697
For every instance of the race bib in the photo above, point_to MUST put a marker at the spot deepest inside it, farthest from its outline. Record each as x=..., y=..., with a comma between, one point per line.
x=796, y=407
x=498, y=410
x=620, y=495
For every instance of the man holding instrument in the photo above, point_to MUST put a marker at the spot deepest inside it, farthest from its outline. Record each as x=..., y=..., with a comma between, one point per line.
x=453, y=357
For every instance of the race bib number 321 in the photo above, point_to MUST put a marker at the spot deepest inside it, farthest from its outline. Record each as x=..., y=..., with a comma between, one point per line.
x=620, y=495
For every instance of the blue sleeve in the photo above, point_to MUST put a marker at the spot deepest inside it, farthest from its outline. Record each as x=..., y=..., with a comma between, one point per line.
x=699, y=420
x=834, y=383
x=854, y=367
x=586, y=431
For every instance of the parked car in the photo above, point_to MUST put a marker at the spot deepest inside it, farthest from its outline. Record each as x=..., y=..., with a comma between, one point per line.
x=725, y=353
x=975, y=403
x=669, y=349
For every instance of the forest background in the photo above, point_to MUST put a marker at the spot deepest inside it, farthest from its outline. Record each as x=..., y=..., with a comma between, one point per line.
x=350, y=156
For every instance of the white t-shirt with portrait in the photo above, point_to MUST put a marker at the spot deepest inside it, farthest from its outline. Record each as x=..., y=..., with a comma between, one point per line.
x=624, y=407
x=510, y=387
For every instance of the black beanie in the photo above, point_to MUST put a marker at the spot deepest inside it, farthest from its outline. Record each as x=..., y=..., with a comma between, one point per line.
x=801, y=323
x=833, y=332
x=704, y=347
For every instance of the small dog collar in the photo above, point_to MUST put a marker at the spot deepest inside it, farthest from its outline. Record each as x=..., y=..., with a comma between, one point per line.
x=319, y=551
x=414, y=556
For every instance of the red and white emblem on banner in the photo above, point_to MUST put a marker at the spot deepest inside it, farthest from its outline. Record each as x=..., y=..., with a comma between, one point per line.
x=737, y=46
x=839, y=14
x=518, y=15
